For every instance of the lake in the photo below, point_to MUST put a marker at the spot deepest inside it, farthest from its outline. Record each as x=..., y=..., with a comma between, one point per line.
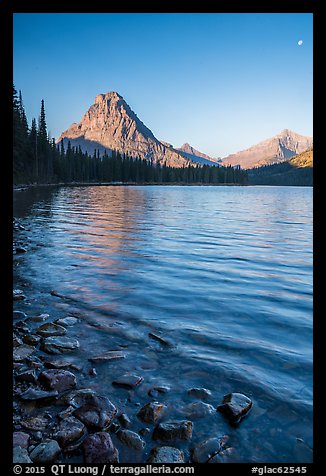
x=222, y=274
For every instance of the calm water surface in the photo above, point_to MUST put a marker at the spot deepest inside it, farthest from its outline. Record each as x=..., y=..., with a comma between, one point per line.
x=223, y=273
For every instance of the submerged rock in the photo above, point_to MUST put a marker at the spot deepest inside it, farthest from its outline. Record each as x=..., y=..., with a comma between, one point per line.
x=71, y=433
x=160, y=339
x=55, y=379
x=67, y=321
x=59, y=345
x=22, y=351
x=128, y=381
x=31, y=339
x=131, y=439
x=222, y=456
x=46, y=452
x=173, y=430
x=39, y=318
x=200, y=393
x=98, y=448
x=107, y=356
x=157, y=390
x=50, y=329
x=151, y=412
x=166, y=454
x=206, y=450
x=235, y=406
x=20, y=455
x=18, y=295
x=19, y=315
x=124, y=420
x=97, y=413
x=21, y=249
x=37, y=394
x=199, y=410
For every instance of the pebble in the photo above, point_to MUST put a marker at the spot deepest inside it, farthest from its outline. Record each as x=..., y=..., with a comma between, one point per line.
x=107, y=356
x=37, y=394
x=57, y=364
x=131, y=439
x=19, y=315
x=57, y=379
x=166, y=454
x=18, y=295
x=98, y=448
x=31, y=339
x=36, y=423
x=124, y=420
x=20, y=455
x=22, y=351
x=151, y=412
x=128, y=381
x=157, y=390
x=97, y=413
x=46, y=452
x=27, y=376
x=20, y=439
x=39, y=318
x=50, y=329
x=172, y=430
x=58, y=345
x=235, y=406
x=71, y=433
x=200, y=393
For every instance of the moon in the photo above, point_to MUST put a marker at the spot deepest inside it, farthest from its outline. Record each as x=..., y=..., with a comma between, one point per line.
x=300, y=42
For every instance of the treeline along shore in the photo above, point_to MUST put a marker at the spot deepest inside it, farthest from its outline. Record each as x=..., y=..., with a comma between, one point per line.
x=38, y=159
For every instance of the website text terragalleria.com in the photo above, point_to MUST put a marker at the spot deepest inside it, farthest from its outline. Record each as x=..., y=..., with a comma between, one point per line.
x=59, y=469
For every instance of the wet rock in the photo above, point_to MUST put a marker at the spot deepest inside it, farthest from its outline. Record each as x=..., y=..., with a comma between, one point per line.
x=124, y=420
x=59, y=345
x=107, y=356
x=21, y=352
x=206, y=450
x=144, y=431
x=151, y=412
x=20, y=455
x=128, y=381
x=166, y=454
x=71, y=433
x=57, y=364
x=98, y=448
x=114, y=428
x=92, y=372
x=20, y=439
x=19, y=315
x=60, y=380
x=20, y=249
x=36, y=423
x=199, y=410
x=37, y=394
x=46, y=452
x=27, y=376
x=223, y=456
x=66, y=413
x=235, y=406
x=157, y=390
x=77, y=398
x=50, y=329
x=131, y=439
x=18, y=295
x=97, y=413
x=33, y=361
x=22, y=327
x=39, y=318
x=200, y=393
x=16, y=341
x=31, y=339
x=173, y=430
x=67, y=321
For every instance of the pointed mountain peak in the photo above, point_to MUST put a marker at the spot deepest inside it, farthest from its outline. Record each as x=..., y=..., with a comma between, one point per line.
x=111, y=96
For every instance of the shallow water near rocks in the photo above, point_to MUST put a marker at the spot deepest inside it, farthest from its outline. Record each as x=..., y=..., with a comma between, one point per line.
x=221, y=275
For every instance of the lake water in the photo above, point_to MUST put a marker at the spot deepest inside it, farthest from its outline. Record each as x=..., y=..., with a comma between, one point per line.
x=222, y=273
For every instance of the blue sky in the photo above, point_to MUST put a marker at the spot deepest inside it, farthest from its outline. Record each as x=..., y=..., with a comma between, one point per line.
x=221, y=82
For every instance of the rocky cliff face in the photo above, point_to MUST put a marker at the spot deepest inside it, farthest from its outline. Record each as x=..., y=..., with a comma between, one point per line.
x=110, y=124
x=279, y=148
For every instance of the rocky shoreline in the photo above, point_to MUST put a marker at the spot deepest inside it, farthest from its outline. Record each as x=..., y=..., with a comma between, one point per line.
x=56, y=418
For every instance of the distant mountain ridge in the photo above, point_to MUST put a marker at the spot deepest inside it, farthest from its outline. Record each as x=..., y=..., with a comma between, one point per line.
x=110, y=124
x=276, y=149
x=197, y=156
